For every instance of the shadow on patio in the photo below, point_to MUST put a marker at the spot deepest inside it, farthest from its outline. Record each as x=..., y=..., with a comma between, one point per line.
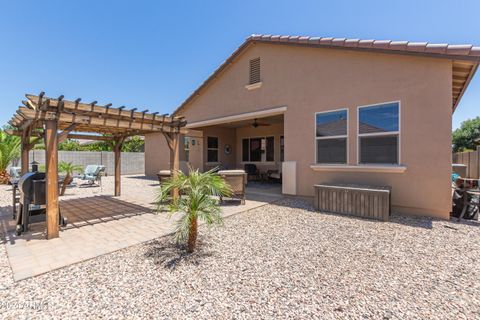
x=97, y=209
x=79, y=212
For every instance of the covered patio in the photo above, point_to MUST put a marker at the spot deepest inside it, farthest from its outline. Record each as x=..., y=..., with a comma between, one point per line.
x=254, y=142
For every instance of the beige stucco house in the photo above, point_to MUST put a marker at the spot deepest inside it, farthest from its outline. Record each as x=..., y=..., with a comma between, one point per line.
x=331, y=110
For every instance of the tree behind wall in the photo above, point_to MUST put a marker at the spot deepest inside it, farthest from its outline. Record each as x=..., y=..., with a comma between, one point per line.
x=9, y=151
x=463, y=138
x=133, y=144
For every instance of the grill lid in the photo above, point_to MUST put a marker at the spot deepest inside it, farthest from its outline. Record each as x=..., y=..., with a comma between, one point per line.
x=25, y=184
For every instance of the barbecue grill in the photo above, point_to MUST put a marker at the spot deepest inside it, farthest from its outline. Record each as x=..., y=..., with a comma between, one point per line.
x=33, y=201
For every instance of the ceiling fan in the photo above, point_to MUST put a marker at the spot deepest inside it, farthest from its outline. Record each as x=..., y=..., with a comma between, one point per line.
x=256, y=124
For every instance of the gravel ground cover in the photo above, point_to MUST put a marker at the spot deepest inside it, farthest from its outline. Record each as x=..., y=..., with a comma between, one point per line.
x=280, y=261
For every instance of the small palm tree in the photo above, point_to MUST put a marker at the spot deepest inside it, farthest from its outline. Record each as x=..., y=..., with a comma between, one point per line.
x=197, y=201
x=68, y=168
x=9, y=151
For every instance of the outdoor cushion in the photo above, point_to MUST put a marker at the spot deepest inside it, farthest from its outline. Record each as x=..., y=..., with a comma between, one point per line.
x=231, y=172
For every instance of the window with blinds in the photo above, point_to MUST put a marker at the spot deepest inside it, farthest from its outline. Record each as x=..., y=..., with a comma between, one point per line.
x=254, y=71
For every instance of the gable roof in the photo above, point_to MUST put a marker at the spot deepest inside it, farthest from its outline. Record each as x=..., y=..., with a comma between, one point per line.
x=466, y=57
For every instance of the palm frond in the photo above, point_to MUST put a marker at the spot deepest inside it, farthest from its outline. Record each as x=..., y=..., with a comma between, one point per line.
x=69, y=167
x=197, y=201
x=9, y=149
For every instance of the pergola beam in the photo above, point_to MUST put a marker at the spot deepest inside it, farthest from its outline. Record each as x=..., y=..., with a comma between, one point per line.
x=30, y=114
x=64, y=134
x=89, y=137
x=104, y=110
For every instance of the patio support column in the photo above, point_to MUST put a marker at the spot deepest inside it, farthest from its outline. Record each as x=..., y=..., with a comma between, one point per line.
x=117, y=149
x=51, y=162
x=175, y=156
x=24, y=158
x=173, y=140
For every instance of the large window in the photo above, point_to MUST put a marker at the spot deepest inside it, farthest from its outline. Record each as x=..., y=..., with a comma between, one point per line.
x=331, y=137
x=259, y=149
x=212, y=149
x=379, y=133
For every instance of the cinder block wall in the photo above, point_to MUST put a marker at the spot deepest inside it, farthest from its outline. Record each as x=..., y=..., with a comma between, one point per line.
x=132, y=162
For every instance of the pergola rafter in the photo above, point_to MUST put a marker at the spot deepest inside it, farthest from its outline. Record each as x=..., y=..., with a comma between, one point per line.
x=56, y=120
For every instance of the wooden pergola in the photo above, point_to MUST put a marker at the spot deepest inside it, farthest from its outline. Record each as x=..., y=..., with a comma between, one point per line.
x=56, y=120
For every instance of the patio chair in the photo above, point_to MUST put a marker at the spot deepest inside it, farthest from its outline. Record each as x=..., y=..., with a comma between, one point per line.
x=93, y=174
x=14, y=174
x=252, y=171
x=237, y=180
x=275, y=174
x=163, y=175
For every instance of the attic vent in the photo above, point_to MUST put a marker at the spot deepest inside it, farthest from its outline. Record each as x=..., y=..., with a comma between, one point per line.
x=254, y=71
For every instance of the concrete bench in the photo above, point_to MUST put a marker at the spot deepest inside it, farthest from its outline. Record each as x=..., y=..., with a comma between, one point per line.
x=371, y=202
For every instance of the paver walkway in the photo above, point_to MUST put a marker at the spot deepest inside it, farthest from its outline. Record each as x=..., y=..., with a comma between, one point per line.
x=100, y=224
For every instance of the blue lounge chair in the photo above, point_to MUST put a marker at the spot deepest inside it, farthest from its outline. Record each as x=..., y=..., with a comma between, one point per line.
x=93, y=174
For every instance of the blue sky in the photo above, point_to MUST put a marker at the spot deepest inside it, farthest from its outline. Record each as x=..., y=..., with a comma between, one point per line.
x=153, y=54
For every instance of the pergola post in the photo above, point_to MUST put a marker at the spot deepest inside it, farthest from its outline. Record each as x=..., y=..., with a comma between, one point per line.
x=24, y=157
x=117, y=149
x=175, y=154
x=173, y=142
x=51, y=161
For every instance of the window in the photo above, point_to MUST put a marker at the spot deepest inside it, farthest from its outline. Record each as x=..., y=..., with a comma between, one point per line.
x=254, y=71
x=331, y=137
x=258, y=149
x=379, y=134
x=212, y=149
x=186, y=147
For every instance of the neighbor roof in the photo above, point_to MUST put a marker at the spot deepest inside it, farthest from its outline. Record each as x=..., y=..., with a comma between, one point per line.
x=466, y=57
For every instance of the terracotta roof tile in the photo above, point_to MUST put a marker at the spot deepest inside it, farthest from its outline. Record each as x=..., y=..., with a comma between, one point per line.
x=398, y=45
x=461, y=49
x=475, y=52
x=338, y=41
x=416, y=46
x=436, y=48
x=366, y=43
x=326, y=41
x=351, y=42
x=381, y=44
x=303, y=39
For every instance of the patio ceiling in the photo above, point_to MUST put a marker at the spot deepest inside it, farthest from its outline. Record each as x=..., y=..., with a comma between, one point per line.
x=245, y=117
x=248, y=123
x=462, y=73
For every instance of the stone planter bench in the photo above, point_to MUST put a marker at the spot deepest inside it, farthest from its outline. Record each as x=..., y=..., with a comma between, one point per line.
x=370, y=202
